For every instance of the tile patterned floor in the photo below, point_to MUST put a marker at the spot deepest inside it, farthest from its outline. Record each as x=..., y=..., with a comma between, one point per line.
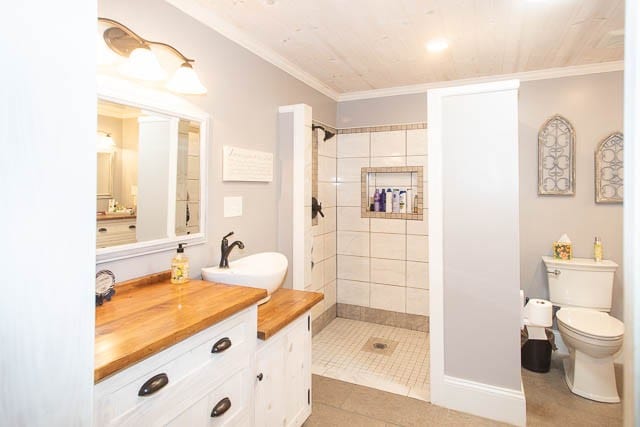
x=339, y=352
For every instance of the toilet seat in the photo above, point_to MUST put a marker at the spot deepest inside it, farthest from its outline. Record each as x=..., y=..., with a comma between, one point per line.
x=591, y=323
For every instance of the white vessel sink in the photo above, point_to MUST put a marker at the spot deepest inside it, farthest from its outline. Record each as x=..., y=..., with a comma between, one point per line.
x=265, y=270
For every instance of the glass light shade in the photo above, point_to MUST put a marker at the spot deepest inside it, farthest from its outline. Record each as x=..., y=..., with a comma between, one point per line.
x=143, y=64
x=105, y=56
x=186, y=81
x=105, y=143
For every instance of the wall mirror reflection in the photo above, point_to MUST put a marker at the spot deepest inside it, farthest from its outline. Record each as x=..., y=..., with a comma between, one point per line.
x=148, y=175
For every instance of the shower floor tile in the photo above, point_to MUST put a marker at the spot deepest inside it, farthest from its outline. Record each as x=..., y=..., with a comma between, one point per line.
x=392, y=359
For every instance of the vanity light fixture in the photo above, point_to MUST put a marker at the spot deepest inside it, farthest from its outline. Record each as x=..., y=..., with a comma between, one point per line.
x=142, y=62
x=105, y=143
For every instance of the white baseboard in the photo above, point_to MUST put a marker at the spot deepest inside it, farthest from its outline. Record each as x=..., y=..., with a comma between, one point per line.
x=496, y=403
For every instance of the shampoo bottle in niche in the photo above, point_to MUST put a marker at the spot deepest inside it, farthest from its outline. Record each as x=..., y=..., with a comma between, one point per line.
x=383, y=200
x=180, y=267
x=388, y=204
x=597, y=250
x=403, y=202
x=376, y=201
x=396, y=201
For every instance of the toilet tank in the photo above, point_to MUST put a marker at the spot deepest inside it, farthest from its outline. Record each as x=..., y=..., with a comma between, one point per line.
x=580, y=282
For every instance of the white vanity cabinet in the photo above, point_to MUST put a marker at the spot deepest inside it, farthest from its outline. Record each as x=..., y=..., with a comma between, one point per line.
x=283, y=379
x=111, y=232
x=214, y=368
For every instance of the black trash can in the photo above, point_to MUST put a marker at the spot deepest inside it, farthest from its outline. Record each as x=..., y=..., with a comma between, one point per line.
x=535, y=355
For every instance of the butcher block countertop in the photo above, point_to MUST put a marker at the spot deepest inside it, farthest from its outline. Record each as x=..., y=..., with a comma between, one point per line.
x=285, y=306
x=149, y=314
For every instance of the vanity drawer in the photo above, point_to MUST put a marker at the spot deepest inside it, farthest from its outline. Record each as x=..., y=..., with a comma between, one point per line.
x=115, y=232
x=231, y=400
x=190, y=367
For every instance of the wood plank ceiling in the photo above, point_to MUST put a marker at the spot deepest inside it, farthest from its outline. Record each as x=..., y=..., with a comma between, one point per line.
x=355, y=45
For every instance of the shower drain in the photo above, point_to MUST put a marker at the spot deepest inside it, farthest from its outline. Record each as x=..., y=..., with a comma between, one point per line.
x=379, y=346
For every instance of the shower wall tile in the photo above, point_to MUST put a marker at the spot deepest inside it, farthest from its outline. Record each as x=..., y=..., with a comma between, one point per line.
x=330, y=272
x=388, y=143
x=317, y=252
x=349, y=194
x=383, y=225
x=329, y=220
x=353, y=268
x=349, y=168
x=389, y=246
x=388, y=271
x=353, y=292
x=326, y=169
x=349, y=219
x=418, y=301
x=417, y=248
x=353, y=145
x=328, y=147
x=317, y=277
x=329, y=246
x=418, y=161
x=330, y=296
x=327, y=194
x=353, y=243
x=388, y=297
x=388, y=161
x=382, y=264
x=416, y=142
x=419, y=227
x=418, y=274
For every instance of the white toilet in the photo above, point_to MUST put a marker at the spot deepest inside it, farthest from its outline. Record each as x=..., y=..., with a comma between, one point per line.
x=583, y=290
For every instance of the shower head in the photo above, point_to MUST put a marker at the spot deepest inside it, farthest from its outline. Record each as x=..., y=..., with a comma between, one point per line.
x=327, y=134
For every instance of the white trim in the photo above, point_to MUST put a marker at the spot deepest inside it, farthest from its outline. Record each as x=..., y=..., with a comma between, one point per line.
x=631, y=244
x=301, y=125
x=550, y=73
x=480, y=399
x=205, y=15
x=129, y=93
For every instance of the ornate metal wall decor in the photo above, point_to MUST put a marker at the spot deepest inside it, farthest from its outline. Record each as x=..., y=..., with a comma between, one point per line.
x=556, y=157
x=610, y=169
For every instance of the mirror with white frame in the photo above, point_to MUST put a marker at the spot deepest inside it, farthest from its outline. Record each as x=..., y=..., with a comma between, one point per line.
x=150, y=176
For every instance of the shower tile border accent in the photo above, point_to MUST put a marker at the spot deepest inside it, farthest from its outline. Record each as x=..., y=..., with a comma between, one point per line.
x=386, y=128
x=364, y=193
x=414, y=322
x=321, y=322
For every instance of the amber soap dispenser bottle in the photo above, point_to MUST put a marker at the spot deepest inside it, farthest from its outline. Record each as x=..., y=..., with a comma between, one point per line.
x=180, y=267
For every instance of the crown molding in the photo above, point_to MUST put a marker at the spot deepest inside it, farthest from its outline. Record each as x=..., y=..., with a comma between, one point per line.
x=199, y=11
x=549, y=73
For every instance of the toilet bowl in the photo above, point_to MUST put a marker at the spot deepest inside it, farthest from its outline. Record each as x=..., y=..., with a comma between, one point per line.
x=592, y=337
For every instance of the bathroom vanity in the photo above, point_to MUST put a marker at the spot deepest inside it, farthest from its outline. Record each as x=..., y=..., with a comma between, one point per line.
x=202, y=353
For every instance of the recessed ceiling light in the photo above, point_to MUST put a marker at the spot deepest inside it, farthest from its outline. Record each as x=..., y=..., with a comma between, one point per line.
x=437, y=45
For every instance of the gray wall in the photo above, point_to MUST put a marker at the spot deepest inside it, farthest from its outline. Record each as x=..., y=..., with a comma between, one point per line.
x=48, y=177
x=390, y=110
x=480, y=238
x=243, y=99
x=593, y=103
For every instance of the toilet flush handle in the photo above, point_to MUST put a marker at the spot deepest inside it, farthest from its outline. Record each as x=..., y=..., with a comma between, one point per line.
x=555, y=273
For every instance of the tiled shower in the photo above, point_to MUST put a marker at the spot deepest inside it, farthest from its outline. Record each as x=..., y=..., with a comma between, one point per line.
x=373, y=271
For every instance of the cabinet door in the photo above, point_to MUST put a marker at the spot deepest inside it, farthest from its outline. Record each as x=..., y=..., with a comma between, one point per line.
x=270, y=390
x=298, y=372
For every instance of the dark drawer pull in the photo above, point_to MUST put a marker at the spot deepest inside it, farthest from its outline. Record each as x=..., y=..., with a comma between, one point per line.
x=221, y=407
x=223, y=344
x=132, y=227
x=153, y=384
x=102, y=229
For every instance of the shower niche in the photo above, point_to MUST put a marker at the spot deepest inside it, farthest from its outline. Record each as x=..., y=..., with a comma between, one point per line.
x=406, y=184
